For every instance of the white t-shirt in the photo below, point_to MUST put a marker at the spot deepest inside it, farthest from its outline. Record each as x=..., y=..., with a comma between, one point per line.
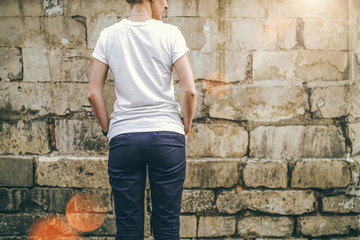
x=141, y=57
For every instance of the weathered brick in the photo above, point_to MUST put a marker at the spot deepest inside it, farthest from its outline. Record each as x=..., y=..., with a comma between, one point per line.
x=43, y=65
x=326, y=34
x=197, y=200
x=188, y=226
x=354, y=134
x=212, y=173
x=275, y=202
x=74, y=136
x=65, y=32
x=270, y=174
x=16, y=224
x=183, y=8
x=216, y=226
x=329, y=102
x=320, y=173
x=108, y=228
x=54, y=7
x=16, y=171
x=217, y=140
x=25, y=8
x=259, y=103
x=312, y=9
x=243, y=8
x=327, y=225
x=301, y=65
x=296, y=142
x=260, y=34
x=24, y=137
x=11, y=199
x=265, y=226
x=72, y=172
x=22, y=32
x=322, y=65
x=11, y=64
x=57, y=199
x=95, y=8
x=341, y=203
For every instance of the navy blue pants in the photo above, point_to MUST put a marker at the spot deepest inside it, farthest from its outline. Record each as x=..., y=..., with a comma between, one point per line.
x=164, y=154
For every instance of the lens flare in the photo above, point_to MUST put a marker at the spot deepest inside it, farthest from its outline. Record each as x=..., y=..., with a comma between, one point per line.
x=85, y=212
x=52, y=227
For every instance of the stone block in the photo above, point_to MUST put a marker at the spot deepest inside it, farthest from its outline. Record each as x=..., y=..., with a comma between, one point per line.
x=188, y=226
x=316, y=226
x=24, y=137
x=78, y=172
x=43, y=65
x=274, y=65
x=216, y=226
x=309, y=9
x=71, y=98
x=260, y=34
x=11, y=64
x=217, y=140
x=262, y=104
x=329, y=102
x=251, y=9
x=270, y=174
x=57, y=199
x=341, y=204
x=74, y=136
x=66, y=32
x=11, y=199
x=322, y=65
x=320, y=173
x=22, y=32
x=20, y=97
x=212, y=173
x=108, y=228
x=265, y=226
x=96, y=25
x=290, y=202
x=16, y=171
x=95, y=8
x=25, y=8
x=16, y=224
x=296, y=142
x=326, y=34
x=184, y=8
x=354, y=134
x=194, y=201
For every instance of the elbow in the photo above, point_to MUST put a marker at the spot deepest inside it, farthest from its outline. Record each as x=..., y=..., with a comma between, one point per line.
x=191, y=93
x=91, y=96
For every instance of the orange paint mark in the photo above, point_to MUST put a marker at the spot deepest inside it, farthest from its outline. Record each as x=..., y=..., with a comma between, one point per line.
x=52, y=227
x=216, y=84
x=85, y=212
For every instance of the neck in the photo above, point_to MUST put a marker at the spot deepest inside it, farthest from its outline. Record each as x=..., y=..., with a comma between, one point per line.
x=141, y=10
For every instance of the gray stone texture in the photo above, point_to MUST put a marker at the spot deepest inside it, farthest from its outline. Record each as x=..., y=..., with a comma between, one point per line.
x=320, y=173
x=266, y=173
x=296, y=142
x=197, y=201
x=11, y=64
x=216, y=226
x=289, y=202
x=16, y=171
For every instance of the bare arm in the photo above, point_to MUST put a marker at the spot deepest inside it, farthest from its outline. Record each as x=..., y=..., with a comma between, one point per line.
x=183, y=69
x=97, y=79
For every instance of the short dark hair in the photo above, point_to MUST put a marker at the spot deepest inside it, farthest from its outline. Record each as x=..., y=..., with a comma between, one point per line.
x=134, y=1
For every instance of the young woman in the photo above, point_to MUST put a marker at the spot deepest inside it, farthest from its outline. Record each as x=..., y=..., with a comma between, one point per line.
x=145, y=127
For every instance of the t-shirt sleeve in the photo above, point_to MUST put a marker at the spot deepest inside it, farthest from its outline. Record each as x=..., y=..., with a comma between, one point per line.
x=100, y=49
x=179, y=46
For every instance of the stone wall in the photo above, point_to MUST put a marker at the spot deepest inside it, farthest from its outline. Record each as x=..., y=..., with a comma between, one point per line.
x=274, y=150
